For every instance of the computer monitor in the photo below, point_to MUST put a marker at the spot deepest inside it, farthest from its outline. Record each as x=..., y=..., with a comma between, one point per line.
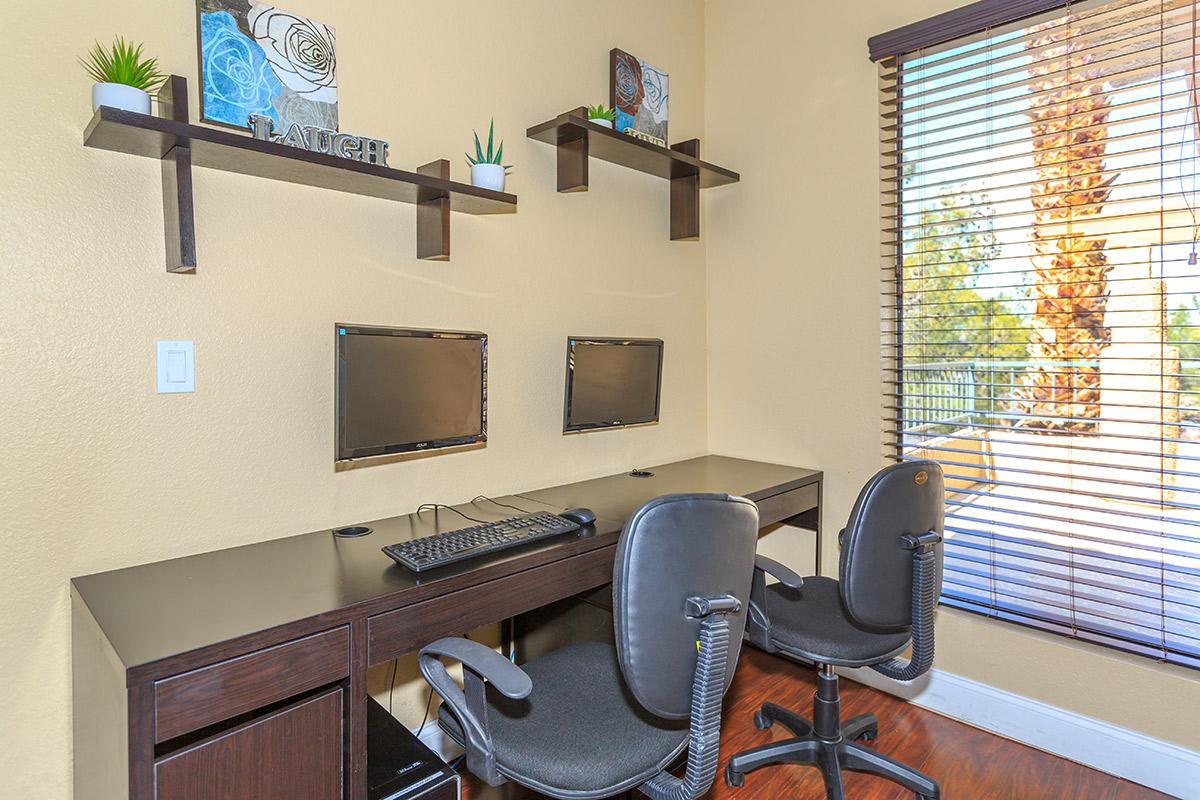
x=401, y=390
x=611, y=383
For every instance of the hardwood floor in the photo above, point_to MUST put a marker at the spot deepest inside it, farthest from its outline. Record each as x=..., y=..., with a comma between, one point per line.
x=968, y=763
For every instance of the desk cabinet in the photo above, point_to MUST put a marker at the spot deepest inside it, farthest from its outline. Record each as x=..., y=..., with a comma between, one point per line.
x=295, y=752
x=267, y=725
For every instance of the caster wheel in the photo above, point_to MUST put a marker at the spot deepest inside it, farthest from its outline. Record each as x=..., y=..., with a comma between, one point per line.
x=761, y=721
x=869, y=736
x=734, y=779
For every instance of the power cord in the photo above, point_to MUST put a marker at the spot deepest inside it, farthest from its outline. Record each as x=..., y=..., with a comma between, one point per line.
x=392, y=683
x=424, y=719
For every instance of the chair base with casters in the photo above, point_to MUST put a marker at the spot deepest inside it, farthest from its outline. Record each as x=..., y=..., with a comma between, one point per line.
x=827, y=744
x=883, y=603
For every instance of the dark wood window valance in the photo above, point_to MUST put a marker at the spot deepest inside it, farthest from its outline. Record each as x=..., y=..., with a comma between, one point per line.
x=963, y=21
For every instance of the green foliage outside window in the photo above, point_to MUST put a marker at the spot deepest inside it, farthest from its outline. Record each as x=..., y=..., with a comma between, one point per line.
x=950, y=319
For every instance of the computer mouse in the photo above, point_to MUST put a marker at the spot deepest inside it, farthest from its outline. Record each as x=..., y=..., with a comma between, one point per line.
x=581, y=516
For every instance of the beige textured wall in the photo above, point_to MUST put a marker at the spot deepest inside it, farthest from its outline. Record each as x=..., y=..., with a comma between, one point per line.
x=793, y=265
x=104, y=473
x=101, y=472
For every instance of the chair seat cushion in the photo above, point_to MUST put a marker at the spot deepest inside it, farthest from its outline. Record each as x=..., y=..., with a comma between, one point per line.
x=811, y=623
x=579, y=734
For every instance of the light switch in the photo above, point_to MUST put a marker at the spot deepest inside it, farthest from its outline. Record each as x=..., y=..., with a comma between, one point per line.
x=176, y=367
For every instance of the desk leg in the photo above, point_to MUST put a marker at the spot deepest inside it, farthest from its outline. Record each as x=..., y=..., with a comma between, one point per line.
x=141, y=741
x=820, y=508
x=356, y=727
x=810, y=520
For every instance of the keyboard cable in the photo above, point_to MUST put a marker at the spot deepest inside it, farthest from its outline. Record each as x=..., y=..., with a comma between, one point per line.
x=479, y=497
x=436, y=506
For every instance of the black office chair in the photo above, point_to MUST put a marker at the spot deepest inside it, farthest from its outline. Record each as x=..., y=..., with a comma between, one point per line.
x=590, y=720
x=890, y=578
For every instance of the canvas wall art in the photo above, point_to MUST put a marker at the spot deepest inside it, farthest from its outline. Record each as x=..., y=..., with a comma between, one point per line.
x=638, y=92
x=260, y=59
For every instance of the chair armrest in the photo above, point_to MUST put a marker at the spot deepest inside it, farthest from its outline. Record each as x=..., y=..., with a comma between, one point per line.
x=481, y=665
x=505, y=676
x=758, y=624
x=776, y=570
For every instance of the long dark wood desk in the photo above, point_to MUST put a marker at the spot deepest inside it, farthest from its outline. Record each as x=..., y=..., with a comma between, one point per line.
x=247, y=667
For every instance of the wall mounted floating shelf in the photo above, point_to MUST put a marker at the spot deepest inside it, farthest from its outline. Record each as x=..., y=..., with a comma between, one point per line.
x=576, y=140
x=180, y=146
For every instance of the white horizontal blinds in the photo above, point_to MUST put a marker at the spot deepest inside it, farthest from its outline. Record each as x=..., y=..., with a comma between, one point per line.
x=1041, y=309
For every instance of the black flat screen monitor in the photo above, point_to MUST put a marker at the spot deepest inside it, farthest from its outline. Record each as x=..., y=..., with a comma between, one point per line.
x=612, y=383
x=401, y=390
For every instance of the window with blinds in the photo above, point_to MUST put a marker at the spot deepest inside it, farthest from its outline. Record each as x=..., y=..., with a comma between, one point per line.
x=1042, y=314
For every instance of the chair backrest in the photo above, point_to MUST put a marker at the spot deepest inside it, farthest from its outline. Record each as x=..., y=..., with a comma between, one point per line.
x=673, y=548
x=876, y=571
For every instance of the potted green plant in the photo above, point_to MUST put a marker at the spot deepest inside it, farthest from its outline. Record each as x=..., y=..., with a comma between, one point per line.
x=124, y=78
x=487, y=171
x=601, y=115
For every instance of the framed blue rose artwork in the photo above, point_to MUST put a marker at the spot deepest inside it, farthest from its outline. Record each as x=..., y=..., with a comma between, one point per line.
x=638, y=93
x=260, y=59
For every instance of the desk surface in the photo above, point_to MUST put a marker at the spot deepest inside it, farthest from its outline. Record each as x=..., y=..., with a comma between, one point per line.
x=157, y=611
x=616, y=497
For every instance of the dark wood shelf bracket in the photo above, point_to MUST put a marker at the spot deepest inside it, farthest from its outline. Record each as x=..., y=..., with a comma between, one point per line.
x=685, y=195
x=573, y=155
x=433, y=214
x=179, y=221
x=576, y=141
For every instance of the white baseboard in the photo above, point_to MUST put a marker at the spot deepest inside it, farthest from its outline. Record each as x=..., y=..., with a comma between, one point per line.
x=1101, y=745
x=436, y=740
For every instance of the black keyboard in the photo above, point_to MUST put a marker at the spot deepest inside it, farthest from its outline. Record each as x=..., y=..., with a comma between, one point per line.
x=441, y=549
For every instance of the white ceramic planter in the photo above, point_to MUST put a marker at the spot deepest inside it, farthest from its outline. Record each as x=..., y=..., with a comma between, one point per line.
x=488, y=176
x=603, y=123
x=118, y=95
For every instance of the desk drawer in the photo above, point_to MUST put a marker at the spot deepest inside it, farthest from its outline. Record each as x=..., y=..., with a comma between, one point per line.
x=187, y=702
x=404, y=630
x=786, y=505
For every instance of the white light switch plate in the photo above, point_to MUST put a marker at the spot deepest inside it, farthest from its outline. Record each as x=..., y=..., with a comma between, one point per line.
x=176, y=367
